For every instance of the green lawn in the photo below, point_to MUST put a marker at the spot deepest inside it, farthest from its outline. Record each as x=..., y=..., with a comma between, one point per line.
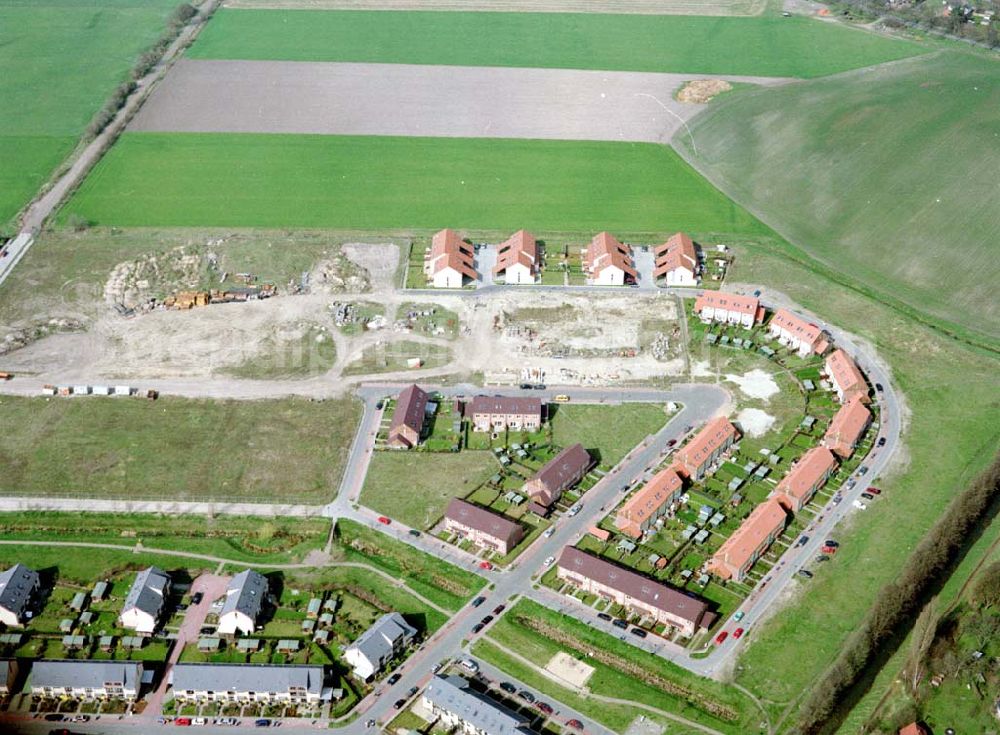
x=61, y=59
x=873, y=174
x=415, y=487
x=289, y=450
x=612, y=430
x=765, y=46
x=950, y=391
x=244, y=180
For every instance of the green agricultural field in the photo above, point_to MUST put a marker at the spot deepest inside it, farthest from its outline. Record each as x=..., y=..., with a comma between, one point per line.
x=380, y=183
x=950, y=390
x=289, y=450
x=612, y=430
x=415, y=487
x=874, y=173
x=61, y=59
x=763, y=46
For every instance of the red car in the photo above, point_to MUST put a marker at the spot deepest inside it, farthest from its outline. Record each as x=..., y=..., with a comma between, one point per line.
x=485, y=565
x=546, y=708
x=738, y=633
x=575, y=724
x=721, y=637
x=183, y=721
x=384, y=521
x=874, y=491
x=829, y=549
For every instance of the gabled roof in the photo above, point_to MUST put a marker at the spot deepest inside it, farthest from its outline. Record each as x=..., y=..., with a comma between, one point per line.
x=807, y=472
x=715, y=434
x=504, y=405
x=648, y=501
x=410, y=407
x=483, y=520
x=247, y=678
x=569, y=463
x=765, y=519
x=606, y=251
x=521, y=248
x=848, y=424
x=635, y=585
x=748, y=305
x=376, y=643
x=81, y=674
x=677, y=252
x=800, y=328
x=483, y=714
x=245, y=594
x=846, y=374
x=17, y=585
x=449, y=250
x=148, y=592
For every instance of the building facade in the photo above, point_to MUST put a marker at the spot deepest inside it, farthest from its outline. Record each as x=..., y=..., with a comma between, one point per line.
x=807, y=476
x=145, y=601
x=246, y=683
x=706, y=447
x=499, y=413
x=797, y=333
x=246, y=595
x=676, y=261
x=20, y=589
x=484, y=528
x=83, y=679
x=728, y=308
x=653, y=501
x=749, y=542
x=846, y=377
x=408, y=418
x=385, y=640
x=449, y=263
x=458, y=707
x=847, y=428
x=608, y=262
x=558, y=475
x=518, y=259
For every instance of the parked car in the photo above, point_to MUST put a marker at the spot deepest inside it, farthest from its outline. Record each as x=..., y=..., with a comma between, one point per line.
x=549, y=561
x=414, y=532
x=412, y=691
x=859, y=505
x=539, y=386
x=738, y=633
x=672, y=442
x=821, y=558
x=805, y=574
x=526, y=386
x=638, y=632
x=199, y=721
x=604, y=616
x=619, y=623
x=478, y=601
x=206, y=630
x=261, y=723
x=863, y=470
x=803, y=540
x=575, y=724
x=183, y=722
x=384, y=520
x=549, y=531
x=739, y=616
x=544, y=707
x=878, y=387
x=499, y=609
x=487, y=620
x=398, y=704
x=54, y=717
x=831, y=543
x=391, y=681
x=485, y=565
x=508, y=687
x=470, y=665
x=197, y=597
x=831, y=550
x=867, y=496
x=437, y=667
x=526, y=696
x=561, y=398
x=881, y=441
x=477, y=627
x=379, y=405
x=720, y=639
x=874, y=491
x=837, y=499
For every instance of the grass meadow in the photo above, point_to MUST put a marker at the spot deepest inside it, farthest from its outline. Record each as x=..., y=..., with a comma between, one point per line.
x=877, y=174
x=61, y=59
x=348, y=182
x=287, y=451
x=762, y=46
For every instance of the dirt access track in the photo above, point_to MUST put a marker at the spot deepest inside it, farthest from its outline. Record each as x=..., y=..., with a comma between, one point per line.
x=208, y=96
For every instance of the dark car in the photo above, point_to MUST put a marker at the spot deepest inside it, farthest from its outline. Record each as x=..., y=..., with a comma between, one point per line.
x=399, y=704
x=499, y=609
x=487, y=620
x=881, y=441
x=544, y=707
x=805, y=573
x=393, y=679
x=526, y=695
x=831, y=543
x=526, y=386
x=261, y=723
x=638, y=632
x=379, y=405
x=508, y=687
x=867, y=496
x=803, y=540
x=207, y=630
x=539, y=386
x=197, y=597
x=477, y=627
x=878, y=387
x=413, y=690
x=54, y=717
x=863, y=471
x=757, y=293
x=822, y=558
x=414, y=532
x=619, y=623
x=672, y=442
x=604, y=616
x=478, y=601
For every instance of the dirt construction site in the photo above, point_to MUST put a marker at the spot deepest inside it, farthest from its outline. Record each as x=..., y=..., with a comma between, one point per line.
x=562, y=337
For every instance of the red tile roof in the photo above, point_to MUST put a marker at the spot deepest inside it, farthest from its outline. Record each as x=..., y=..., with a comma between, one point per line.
x=521, y=248
x=677, y=252
x=606, y=251
x=599, y=533
x=748, y=305
x=848, y=424
x=814, y=465
x=664, y=485
x=800, y=328
x=845, y=373
x=714, y=435
x=637, y=586
x=449, y=250
x=739, y=548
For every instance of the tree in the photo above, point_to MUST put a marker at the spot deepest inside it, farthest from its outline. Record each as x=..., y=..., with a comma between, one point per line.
x=924, y=631
x=986, y=589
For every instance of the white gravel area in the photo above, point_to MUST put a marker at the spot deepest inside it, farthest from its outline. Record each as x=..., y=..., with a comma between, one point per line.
x=755, y=384
x=754, y=422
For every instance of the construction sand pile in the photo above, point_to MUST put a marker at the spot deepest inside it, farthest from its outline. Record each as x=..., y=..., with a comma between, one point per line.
x=755, y=384
x=754, y=422
x=701, y=91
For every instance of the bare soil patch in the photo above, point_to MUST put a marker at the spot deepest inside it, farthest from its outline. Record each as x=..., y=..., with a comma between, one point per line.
x=701, y=91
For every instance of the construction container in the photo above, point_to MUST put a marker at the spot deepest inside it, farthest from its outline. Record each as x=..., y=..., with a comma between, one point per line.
x=6, y=376
x=81, y=390
x=101, y=390
x=123, y=390
x=413, y=362
x=65, y=390
x=48, y=390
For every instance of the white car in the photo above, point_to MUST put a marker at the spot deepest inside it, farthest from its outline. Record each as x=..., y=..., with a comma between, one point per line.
x=549, y=531
x=859, y=505
x=550, y=561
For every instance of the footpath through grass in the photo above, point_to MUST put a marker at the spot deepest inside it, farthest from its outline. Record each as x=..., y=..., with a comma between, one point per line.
x=384, y=183
x=61, y=59
x=273, y=451
x=950, y=391
x=761, y=46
